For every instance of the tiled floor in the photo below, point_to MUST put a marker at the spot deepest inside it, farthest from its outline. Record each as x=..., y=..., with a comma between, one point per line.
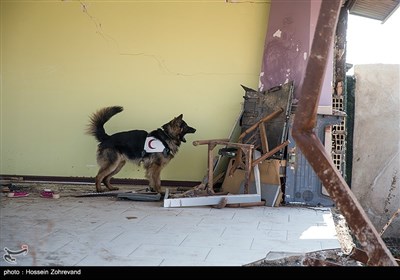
x=106, y=231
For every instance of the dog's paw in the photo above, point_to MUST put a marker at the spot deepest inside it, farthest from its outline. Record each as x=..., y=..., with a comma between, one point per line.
x=153, y=190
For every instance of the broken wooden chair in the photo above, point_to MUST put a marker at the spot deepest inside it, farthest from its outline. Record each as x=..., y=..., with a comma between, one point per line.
x=243, y=151
x=260, y=133
x=264, y=124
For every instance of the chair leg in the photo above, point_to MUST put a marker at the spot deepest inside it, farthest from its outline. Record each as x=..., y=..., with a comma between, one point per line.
x=210, y=184
x=248, y=158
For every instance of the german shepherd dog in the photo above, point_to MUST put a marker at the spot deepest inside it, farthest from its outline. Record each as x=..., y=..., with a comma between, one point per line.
x=154, y=149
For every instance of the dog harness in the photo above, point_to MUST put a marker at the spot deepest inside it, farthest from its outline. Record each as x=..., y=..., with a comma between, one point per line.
x=156, y=144
x=153, y=145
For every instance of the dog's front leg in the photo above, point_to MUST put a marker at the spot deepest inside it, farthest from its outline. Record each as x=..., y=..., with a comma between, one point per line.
x=153, y=173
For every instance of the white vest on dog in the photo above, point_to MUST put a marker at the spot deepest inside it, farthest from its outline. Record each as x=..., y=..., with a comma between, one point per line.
x=153, y=145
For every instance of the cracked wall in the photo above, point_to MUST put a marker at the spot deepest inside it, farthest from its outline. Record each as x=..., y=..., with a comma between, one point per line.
x=63, y=60
x=376, y=148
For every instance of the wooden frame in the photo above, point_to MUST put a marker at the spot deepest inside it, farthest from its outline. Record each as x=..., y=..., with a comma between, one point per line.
x=244, y=159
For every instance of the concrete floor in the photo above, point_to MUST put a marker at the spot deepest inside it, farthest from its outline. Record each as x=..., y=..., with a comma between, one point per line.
x=106, y=231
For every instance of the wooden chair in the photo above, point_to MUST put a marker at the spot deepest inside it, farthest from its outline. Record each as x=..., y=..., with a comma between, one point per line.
x=243, y=151
x=265, y=117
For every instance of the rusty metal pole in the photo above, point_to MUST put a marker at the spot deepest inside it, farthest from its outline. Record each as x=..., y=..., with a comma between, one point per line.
x=312, y=148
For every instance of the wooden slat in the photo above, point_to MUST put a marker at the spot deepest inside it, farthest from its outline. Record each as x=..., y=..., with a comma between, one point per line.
x=211, y=200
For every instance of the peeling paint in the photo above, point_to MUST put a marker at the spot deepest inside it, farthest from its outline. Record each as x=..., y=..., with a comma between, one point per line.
x=391, y=194
x=305, y=55
x=278, y=33
x=260, y=84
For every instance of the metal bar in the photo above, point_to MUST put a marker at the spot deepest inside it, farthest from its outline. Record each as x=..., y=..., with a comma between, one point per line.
x=358, y=255
x=314, y=151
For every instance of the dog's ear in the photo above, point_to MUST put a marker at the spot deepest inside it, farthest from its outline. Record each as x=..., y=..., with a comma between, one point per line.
x=180, y=117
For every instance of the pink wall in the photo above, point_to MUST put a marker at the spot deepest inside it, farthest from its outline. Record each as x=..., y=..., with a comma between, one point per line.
x=287, y=46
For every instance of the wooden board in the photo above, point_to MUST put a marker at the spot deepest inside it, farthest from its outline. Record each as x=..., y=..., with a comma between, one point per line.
x=211, y=200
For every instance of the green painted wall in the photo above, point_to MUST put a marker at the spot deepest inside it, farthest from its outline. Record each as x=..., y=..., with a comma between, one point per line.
x=63, y=60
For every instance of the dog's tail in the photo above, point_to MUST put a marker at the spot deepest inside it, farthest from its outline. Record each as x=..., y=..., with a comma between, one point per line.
x=98, y=119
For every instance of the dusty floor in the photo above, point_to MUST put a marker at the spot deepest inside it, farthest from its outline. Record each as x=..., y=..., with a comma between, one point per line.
x=333, y=256
x=338, y=257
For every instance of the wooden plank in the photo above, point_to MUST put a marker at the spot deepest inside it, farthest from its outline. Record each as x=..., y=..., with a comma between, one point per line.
x=263, y=137
x=211, y=200
x=256, y=171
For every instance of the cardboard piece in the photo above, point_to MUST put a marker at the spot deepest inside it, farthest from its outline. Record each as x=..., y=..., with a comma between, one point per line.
x=269, y=174
x=269, y=177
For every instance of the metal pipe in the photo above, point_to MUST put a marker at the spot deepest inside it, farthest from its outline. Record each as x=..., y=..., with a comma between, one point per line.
x=312, y=148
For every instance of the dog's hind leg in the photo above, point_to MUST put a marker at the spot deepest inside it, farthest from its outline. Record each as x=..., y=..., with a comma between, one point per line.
x=107, y=179
x=100, y=177
x=109, y=161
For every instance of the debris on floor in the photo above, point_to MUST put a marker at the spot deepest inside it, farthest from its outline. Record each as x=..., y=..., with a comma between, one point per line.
x=142, y=196
x=17, y=194
x=48, y=193
x=94, y=194
x=331, y=257
x=137, y=195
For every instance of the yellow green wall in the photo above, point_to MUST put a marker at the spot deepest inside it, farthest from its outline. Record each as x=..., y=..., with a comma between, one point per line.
x=63, y=60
